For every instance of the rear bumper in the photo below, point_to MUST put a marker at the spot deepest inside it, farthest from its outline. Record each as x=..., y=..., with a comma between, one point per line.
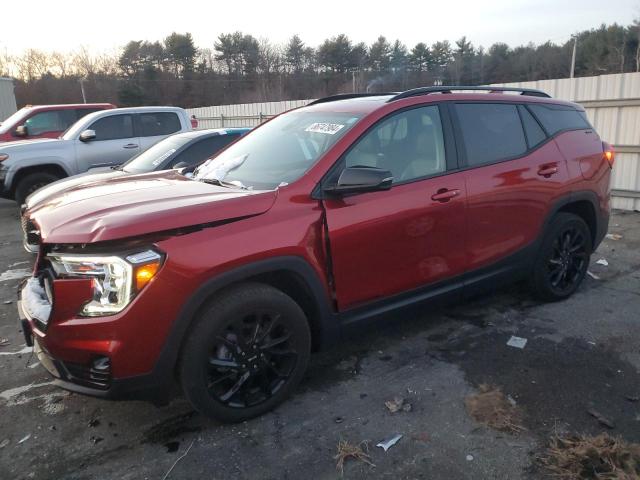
x=94, y=377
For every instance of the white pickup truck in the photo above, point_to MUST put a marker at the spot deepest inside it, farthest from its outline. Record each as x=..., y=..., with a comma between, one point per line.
x=100, y=139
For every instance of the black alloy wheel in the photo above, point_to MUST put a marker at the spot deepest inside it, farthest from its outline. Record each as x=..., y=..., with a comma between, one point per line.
x=251, y=360
x=563, y=258
x=246, y=353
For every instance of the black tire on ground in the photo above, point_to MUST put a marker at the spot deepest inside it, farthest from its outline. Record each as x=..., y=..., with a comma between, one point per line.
x=32, y=182
x=252, y=335
x=563, y=258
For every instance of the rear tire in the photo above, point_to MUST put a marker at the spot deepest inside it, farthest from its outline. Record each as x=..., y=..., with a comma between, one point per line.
x=32, y=182
x=563, y=258
x=246, y=353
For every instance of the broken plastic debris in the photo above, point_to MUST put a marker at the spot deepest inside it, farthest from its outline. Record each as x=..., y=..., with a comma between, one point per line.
x=25, y=438
x=4, y=342
x=517, y=342
x=397, y=404
x=511, y=400
x=387, y=444
x=4, y=443
x=603, y=261
x=469, y=458
x=613, y=236
x=593, y=275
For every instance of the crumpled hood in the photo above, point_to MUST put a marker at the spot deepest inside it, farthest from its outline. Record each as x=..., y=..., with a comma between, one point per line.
x=92, y=177
x=135, y=205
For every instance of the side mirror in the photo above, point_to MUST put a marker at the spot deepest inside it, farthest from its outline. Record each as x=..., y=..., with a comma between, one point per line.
x=88, y=135
x=180, y=165
x=21, y=131
x=360, y=180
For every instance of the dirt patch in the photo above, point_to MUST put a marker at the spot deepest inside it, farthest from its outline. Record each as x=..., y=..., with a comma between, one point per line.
x=554, y=384
x=491, y=407
x=588, y=457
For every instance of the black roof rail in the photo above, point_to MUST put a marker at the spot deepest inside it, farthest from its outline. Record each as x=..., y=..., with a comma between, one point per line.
x=346, y=96
x=531, y=92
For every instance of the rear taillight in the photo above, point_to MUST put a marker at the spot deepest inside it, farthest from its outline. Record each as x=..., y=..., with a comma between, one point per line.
x=608, y=153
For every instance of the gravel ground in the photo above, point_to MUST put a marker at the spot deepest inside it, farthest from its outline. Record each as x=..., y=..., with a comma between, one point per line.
x=581, y=354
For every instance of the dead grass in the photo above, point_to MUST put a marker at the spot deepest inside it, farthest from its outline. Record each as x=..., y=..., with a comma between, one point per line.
x=584, y=457
x=492, y=408
x=347, y=450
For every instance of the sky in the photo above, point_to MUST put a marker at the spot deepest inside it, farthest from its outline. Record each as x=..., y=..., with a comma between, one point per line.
x=104, y=26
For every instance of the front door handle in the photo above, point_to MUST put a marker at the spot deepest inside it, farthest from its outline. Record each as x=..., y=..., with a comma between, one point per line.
x=444, y=195
x=130, y=145
x=547, y=170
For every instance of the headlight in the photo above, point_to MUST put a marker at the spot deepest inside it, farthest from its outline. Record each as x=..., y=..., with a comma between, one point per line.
x=115, y=280
x=3, y=157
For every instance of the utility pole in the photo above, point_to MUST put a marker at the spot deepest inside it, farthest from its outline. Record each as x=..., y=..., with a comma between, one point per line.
x=84, y=97
x=353, y=81
x=573, y=56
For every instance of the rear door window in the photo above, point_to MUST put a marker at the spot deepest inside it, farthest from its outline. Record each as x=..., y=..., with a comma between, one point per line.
x=158, y=123
x=491, y=132
x=556, y=118
x=113, y=127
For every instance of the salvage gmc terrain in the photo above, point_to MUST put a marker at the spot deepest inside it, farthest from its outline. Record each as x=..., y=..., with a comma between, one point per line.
x=321, y=218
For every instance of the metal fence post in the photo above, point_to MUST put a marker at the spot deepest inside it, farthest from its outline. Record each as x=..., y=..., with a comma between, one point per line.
x=260, y=117
x=221, y=120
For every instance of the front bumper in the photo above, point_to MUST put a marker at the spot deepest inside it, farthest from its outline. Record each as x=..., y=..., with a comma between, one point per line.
x=92, y=377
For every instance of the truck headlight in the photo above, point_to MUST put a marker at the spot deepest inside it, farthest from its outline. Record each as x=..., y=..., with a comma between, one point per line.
x=115, y=280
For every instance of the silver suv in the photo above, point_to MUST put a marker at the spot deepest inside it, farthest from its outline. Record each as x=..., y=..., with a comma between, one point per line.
x=100, y=139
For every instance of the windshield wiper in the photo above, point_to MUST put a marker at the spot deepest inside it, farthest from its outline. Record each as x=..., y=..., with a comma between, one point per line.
x=222, y=183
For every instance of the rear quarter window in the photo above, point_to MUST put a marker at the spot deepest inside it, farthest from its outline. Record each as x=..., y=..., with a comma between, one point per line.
x=158, y=123
x=556, y=118
x=491, y=132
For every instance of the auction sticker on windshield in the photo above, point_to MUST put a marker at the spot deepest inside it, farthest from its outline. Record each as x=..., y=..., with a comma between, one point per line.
x=328, y=128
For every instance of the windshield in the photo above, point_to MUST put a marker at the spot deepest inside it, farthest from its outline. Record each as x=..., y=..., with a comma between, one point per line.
x=280, y=151
x=14, y=120
x=151, y=158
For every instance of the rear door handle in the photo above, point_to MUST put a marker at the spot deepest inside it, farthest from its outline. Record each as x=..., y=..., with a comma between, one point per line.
x=547, y=170
x=444, y=195
x=130, y=145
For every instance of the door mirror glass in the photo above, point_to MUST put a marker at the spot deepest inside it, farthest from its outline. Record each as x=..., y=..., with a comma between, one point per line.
x=21, y=131
x=361, y=179
x=87, y=135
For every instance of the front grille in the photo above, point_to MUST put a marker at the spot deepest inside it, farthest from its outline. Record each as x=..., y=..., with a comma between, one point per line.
x=31, y=234
x=95, y=375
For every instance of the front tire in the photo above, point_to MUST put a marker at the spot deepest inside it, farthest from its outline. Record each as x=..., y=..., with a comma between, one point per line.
x=246, y=354
x=32, y=182
x=563, y=258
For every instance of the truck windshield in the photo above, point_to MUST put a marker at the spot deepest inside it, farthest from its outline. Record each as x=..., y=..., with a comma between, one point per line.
x=14, y=120
x=280, y=151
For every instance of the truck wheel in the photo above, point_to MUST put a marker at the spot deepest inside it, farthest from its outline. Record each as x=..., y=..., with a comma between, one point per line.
x=246, y=353
x=32, y=182
x=563, y=258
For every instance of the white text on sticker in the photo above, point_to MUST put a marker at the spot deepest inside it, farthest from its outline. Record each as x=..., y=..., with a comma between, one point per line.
x=328, y=128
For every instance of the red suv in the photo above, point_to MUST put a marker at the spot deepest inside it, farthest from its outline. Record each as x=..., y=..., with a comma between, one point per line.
x=318, y=220
x=45, y=121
